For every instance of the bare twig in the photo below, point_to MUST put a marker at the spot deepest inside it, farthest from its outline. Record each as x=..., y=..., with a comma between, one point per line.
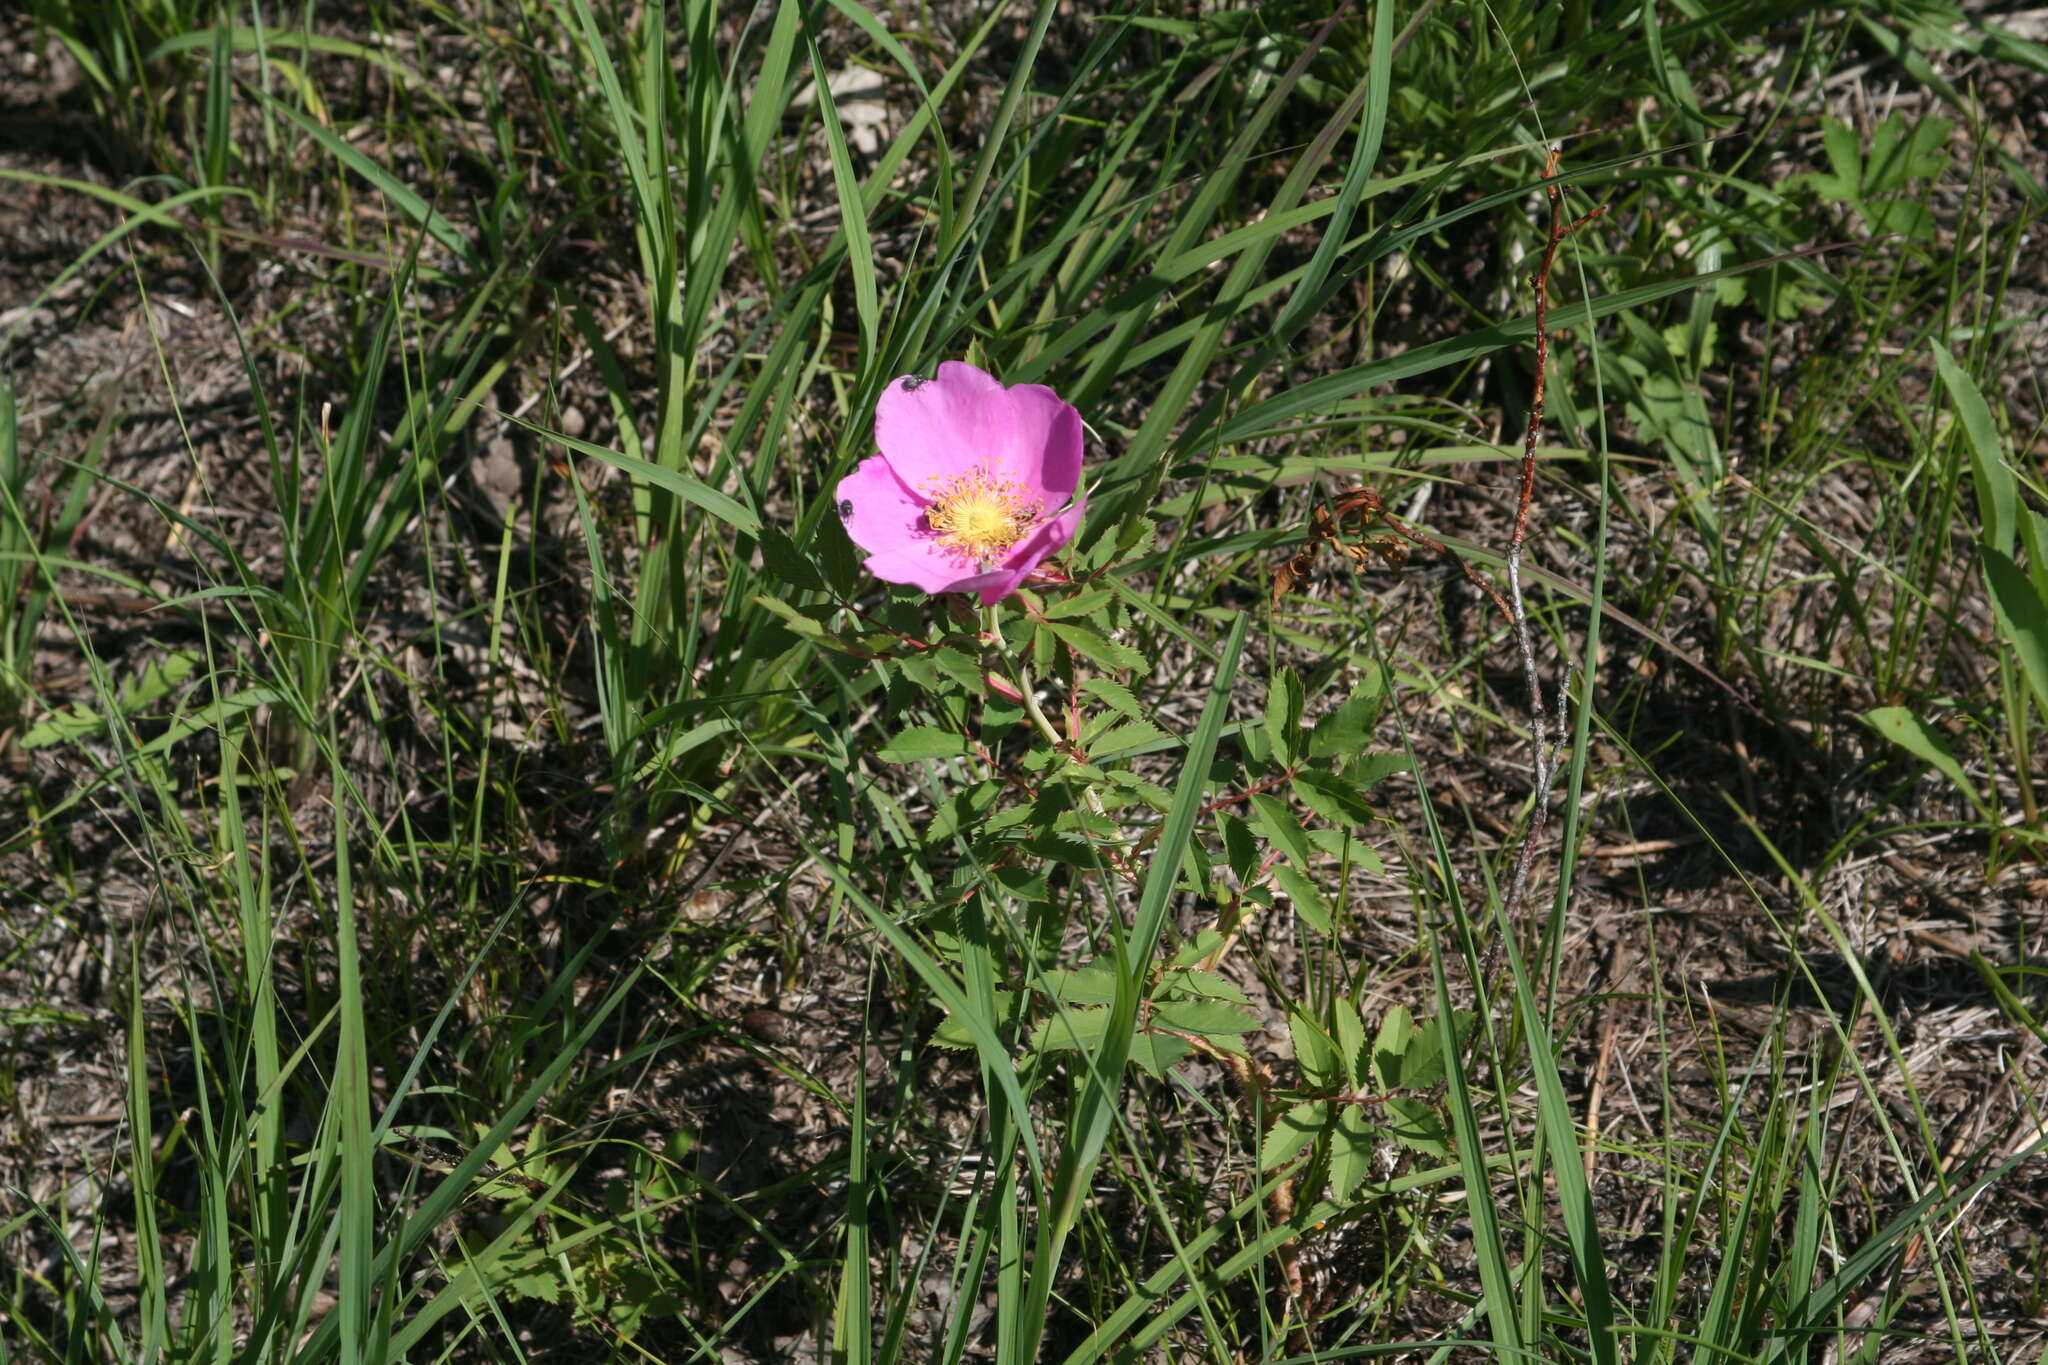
x=1539, y=715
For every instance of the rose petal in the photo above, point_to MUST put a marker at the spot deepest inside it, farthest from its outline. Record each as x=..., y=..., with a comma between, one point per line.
x=1043, y=450
x=934, y=429
x=879, y=512
x=926, y=567
x=887, y=520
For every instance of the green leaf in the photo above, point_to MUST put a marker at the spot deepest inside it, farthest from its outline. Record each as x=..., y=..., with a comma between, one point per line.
x=782, y=559
x=68, y=726
x=1417, y=1126
x=798, y=619
x=1308, y=900
x=1120, y=739
x=922, y=741
x=1845, y=156
x=1422, y=1062
x=853, y=207
x=1240, y=846
x=1155, y=1052
x=1346, y=730
x=1201, y=983
x=1349, y=1031
x=1094, y=984
x=1099, y=1102
x=1277, y=821
x=961, y=666
x=157, y=681
x=1080, y=604
x=1352, y=1145
x=1069, y=1030
x=1397, y=1031
x=1997, y=490
x=1283, y=714
x=1204, y=1017
x=1374, y=767
x=397, y=191
x=1336, y=799
x=1292, y=1132
x=721, y=505
x=1114, y=695
x=1905, y=729
x=1098, y=650
x=1197, y=949
x=954, y=1032
x=1314, y=1053
x=2022, y=617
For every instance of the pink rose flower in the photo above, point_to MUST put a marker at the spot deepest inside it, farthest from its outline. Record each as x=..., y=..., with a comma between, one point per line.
x=974, y=486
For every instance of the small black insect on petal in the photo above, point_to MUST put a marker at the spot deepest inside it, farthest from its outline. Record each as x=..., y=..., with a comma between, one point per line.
x=846, y=507
x=911, y=381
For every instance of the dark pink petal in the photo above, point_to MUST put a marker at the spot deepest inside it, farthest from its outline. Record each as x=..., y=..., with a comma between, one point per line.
x=879, y=512
x=934, y=429
x=1044, y=451
x=925, y=567
x=887, y=520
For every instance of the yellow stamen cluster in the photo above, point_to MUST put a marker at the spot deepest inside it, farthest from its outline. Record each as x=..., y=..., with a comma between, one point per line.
x=979, y=514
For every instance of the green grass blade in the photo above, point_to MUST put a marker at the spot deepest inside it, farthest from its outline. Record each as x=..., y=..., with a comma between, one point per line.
x=408, y=201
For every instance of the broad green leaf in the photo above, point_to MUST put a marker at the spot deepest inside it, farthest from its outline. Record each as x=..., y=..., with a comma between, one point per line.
x=157, y=681
x=1336, y=799
x=781, y=558
x=1352, y=1145
x=1201, y=983
x=1277, y=821
x=1080, y=604
x=922, y=741
x=1375, y=767
x=1094, y=984
x=2022, y=617
x=1097, y=648
x=1997, y=490
x=1155, y=1052
x=1346, y=730
x=1349, y=1031
x=1283, y=715
x=68, y=726
x=1070, y=1029
x=1292, y=1132
x=796, y=618
x=1204, y=1016
x=1123, y=738
x=954, y=1032
x=1240, y=846
x=1906, y=729
x=1416, y=1125
x=1308, y=899
x=1397, y=1031
x=1114, y=695
x=1422, y=1060
x=1314, y=1053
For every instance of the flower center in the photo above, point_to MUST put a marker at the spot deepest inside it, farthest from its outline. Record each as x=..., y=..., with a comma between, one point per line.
x=979, y=514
